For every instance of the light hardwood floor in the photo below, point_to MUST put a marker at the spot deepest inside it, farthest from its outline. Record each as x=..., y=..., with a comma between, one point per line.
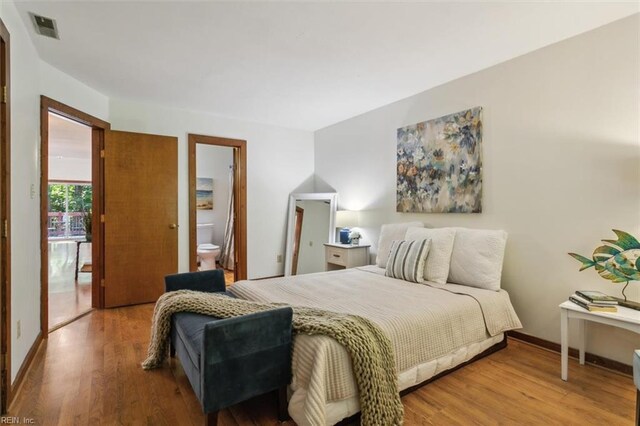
x=68, y=298
x=88, y=373
x=229, y=277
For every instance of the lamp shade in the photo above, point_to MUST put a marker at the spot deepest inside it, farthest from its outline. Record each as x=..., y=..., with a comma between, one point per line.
x=346, y=218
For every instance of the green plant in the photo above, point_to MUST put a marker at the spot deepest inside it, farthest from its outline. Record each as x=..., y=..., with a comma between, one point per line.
x=87, y=222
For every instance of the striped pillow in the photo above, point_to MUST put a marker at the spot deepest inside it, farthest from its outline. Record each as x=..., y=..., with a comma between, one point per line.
x=407, y=259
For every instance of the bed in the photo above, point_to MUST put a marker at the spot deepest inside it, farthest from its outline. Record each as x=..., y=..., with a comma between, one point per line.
x=433, y=327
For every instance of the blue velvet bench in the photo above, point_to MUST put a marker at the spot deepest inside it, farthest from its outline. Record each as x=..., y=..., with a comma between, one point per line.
x=230, y=360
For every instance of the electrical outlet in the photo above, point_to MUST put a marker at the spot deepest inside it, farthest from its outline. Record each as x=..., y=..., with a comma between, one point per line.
x=18, y=330
x=279, y=258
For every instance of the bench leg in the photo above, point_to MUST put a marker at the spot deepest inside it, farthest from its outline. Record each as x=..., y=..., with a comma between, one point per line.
x=212, y=419
x=283, y=412
x=637, y=407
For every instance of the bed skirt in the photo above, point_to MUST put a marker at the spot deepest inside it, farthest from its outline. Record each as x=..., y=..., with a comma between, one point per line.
x=339, y=410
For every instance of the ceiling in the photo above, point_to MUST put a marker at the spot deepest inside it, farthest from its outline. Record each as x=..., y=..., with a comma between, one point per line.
x=296, y=64
x=68, y=139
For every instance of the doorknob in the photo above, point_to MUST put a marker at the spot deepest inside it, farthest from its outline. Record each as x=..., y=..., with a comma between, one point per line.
x=173, y=226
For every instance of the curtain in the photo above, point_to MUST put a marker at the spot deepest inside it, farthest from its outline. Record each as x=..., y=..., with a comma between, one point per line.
x=227, y=257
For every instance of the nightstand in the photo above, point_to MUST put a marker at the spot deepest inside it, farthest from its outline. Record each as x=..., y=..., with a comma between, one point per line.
x=341, y=256
x=626, y=318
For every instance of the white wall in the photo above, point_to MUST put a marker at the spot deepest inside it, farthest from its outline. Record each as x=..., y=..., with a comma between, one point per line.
x=561, y=167
x=25, y=234
x=29, y=79
x=278, y=160
x=213, y=162
x=61, y=87
x=315, y=226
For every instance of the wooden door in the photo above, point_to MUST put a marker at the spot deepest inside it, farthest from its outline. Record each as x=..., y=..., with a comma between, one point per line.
x=141, y=216
x=296, y=239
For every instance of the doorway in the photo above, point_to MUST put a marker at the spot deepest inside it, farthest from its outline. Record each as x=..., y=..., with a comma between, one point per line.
x=217, y=205
x=133, y=197
x=70, y=195
x=69, y=220
x=296, y=239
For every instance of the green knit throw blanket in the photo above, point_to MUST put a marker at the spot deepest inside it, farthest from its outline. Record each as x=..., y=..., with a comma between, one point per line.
x=370, y=350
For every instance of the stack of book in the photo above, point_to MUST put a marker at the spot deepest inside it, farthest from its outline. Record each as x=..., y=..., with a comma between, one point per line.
x=595, y=301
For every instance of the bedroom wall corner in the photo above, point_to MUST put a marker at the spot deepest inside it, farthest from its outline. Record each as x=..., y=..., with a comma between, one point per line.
x=278, y=161
x=561, y=167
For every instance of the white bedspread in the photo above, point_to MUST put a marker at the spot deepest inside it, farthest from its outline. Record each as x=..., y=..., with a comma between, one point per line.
x=423, y=322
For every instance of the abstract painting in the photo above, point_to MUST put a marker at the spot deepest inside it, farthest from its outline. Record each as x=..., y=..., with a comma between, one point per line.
x=204, y=193
x=439, y=165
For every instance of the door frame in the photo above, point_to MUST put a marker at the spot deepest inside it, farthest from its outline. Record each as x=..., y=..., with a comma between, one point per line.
x=240, y=200
x=5, y=220
x=98, y=127
x=296, y=239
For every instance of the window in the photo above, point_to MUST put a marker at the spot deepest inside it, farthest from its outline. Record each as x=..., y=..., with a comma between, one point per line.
x=69, y=203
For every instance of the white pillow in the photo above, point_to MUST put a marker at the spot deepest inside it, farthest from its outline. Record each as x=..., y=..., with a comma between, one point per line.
x=406, y=260
x=437, y=267
x=477, y=258
x=389, y=233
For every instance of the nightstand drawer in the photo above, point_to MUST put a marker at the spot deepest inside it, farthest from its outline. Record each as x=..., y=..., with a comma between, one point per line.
x=341, y=256
x=336, y=256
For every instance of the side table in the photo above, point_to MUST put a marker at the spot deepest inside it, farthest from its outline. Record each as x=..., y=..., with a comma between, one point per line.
x=626, y=318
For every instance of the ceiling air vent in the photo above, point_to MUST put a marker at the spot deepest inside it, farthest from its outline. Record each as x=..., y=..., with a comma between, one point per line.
x=45, y=26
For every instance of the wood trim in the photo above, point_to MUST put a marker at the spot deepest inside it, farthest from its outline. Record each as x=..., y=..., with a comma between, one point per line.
x=193, y=238
x=240, y=194
x=5, y=215
x=44, y=237
x=296, y=239
x=491, y=349
x=74, y=114
x=97, y=135
x=69, y=321
x=97, y=227
x=24, y=368
x=589, y=357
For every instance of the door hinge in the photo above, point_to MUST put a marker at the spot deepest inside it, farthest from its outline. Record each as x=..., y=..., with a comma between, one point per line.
x=102, y=153
x=5, y=228
x=4, y=94
x=101, y=282
x=101, y=218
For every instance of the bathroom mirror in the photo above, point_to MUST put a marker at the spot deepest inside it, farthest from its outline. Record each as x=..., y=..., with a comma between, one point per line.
x=310, y=224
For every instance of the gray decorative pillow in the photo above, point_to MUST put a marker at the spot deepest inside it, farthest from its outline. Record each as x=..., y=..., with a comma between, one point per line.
x=406, y=260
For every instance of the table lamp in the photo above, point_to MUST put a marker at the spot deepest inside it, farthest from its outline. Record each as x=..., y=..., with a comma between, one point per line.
x=344, y=220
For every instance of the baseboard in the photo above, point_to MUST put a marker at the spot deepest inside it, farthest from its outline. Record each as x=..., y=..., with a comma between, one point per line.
x=22, y=372
x=588, y=357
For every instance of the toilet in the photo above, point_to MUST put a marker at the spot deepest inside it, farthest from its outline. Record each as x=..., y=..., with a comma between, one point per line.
x=207, y=251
